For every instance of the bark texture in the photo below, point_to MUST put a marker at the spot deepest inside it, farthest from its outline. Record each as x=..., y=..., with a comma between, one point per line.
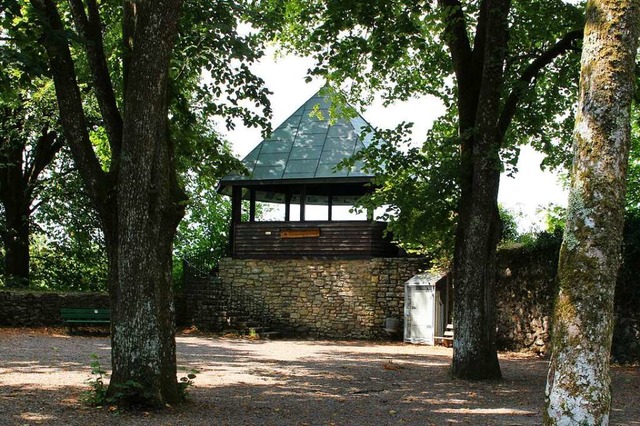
x=138, y=199
x=480, y=80
x=578, y=383
x=149, y=211
x=485, y=114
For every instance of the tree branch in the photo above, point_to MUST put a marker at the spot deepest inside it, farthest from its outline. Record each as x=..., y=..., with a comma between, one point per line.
x=480, y=38
x=128, y=33
x=529, y=74
x=455, y=36
x=68, y=95
x=467, y=77
x=46, y=148
x=90, y=28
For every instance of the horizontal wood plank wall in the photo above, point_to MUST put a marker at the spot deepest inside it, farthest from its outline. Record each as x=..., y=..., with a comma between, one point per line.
x=345, y=239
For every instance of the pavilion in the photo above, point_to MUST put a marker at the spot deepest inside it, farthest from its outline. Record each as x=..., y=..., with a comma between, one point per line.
x=298, y=164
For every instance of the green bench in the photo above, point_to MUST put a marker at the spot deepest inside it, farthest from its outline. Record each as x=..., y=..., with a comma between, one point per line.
x=84, y=316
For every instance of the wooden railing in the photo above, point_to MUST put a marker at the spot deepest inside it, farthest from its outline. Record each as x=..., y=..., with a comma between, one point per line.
x=339, y=239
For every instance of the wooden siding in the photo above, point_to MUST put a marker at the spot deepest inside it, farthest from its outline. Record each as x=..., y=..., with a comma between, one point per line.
x=344, y=239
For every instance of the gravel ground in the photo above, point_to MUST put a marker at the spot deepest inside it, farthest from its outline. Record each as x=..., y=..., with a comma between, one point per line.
x=43, y=373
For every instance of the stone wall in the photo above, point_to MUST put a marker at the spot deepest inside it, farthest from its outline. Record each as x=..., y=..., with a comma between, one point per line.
x=325, y=298
x=205, y=303
x=526, y=291
x=351, y=299
x=525, y=294
x=27, y=309
x=33, y=308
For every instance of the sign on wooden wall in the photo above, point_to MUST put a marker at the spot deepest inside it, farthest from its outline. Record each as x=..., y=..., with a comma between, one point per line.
x=300, y=233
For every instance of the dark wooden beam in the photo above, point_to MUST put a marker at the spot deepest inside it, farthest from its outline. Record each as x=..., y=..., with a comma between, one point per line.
x=236, y=205
x=236, y=216
x=330, y=208
x=252, y=205
x=303, y=202
x=287, y=206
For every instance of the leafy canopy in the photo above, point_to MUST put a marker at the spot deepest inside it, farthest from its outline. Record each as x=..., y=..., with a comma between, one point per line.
x=395, y=49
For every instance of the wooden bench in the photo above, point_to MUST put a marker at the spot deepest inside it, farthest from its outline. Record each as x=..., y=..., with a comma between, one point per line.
x=447, y=339
x=84, y=316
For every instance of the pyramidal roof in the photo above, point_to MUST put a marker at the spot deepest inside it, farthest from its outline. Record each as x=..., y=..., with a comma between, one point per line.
x=308, y=145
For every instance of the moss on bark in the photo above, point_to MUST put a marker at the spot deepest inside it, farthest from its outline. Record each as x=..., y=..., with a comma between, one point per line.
x=578, y=385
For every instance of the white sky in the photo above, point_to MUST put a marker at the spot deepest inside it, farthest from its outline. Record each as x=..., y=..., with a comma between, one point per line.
x=527, y=193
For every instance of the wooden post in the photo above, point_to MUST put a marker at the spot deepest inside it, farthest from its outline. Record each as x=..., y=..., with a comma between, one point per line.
x=236, y=215
x=303, y=202
x=252, y=205
x=287, y=206
x=330, y=206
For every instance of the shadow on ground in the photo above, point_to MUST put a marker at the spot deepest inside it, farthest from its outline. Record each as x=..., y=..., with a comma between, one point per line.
x=245, y=382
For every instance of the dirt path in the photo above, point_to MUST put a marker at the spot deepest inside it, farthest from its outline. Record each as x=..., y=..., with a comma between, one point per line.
x=243, y=382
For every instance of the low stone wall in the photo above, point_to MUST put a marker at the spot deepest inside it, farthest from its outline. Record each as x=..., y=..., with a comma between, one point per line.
x=351, y=298
x=34, y=309
x=28, y=309
x=526, y=291
x=326, y=298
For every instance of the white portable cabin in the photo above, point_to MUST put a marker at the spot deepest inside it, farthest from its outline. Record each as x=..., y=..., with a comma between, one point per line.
x=424, y=311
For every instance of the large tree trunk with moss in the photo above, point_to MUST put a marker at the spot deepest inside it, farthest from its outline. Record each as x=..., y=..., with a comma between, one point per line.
x=138, y=199
x=578, y=385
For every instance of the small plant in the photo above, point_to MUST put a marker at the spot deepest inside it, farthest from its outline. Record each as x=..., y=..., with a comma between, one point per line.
x=97, y=395
x=186, y=382
x=253, y=334
x=125, y=393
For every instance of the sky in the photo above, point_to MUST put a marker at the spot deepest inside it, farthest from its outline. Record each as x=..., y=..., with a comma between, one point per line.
x=284, y=76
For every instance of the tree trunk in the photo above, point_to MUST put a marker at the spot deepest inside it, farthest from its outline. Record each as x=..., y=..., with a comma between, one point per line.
x=16, y=244
x=474, y=270
x=139, y=201
x=149, y=210
x=474, y=349
x=14, y=198
x=578, y=383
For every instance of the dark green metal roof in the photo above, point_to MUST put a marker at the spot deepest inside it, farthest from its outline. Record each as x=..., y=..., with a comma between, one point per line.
x=307, y=146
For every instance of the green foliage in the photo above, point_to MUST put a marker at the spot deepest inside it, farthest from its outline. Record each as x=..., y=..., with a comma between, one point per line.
x=67, y=250
x=416, y=185
x=509, y=225
x=70, y=265
x=97, y=394
x=532, y=239
x=555, y=218
x=633, y=173
x=204, y=232
x=69, y=246
x=185, y=382
x=211, y=45
x=28, y=137
x=395, y=49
